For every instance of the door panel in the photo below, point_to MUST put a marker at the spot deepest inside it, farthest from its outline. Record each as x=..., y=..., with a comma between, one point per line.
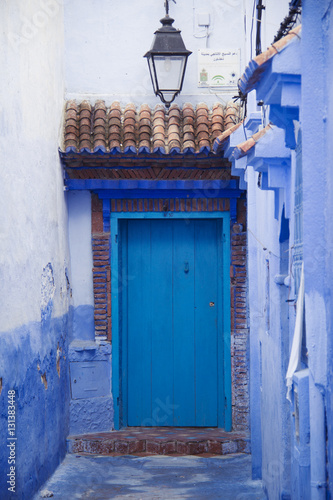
x=206, y=307
x=161, y=307
x=139, y=323
x=172, y=316
x=184, y=325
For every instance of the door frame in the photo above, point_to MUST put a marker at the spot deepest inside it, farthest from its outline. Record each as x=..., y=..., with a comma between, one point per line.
x=118, y=368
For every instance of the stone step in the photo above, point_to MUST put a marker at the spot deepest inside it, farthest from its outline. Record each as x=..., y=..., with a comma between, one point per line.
x=160, y=441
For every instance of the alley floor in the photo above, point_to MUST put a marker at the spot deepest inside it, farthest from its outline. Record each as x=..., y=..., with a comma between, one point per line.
x=153, y=477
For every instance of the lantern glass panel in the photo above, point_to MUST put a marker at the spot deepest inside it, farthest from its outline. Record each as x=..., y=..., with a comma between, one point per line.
x=152, y=72
x=169, y=71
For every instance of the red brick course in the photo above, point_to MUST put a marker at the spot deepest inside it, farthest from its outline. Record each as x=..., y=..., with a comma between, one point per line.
x=239, y=321
x=101, y=273
x=161, y=441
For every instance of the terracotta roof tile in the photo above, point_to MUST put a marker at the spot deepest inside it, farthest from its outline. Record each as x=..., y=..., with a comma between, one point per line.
x=99, y=122
x=188, y=116
x=222, y=139
x=85, y=126
x=243, y=148
x=100, y=129
x=71, y=126
x=217, y=121
x=202, y=129
x=231, y=116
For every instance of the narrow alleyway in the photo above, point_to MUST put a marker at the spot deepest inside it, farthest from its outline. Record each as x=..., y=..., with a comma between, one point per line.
x=154, y=477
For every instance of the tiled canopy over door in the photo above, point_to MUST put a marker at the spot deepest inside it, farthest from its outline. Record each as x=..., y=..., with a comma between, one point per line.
x=145, y=159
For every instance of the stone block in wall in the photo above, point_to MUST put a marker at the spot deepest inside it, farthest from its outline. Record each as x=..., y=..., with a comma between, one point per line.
x=91, y=406
x=91, y=415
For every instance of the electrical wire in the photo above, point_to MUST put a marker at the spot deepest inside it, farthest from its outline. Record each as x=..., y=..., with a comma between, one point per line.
x=260, y=8
x=265, y=249
x=289, y=21
x=251, y=32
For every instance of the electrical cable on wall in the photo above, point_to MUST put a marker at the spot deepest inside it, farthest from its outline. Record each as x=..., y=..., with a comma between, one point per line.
x=290, y=20
x=260, y=8
x=251, y=31
x=204, y=33
x=243, y=101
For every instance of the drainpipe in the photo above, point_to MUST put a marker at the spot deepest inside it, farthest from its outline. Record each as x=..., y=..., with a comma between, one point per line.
x=317, y=442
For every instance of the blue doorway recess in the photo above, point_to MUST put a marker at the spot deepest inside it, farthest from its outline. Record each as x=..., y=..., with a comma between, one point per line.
x=171, y=320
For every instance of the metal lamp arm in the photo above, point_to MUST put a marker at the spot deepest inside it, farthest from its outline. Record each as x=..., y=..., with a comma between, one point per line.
x=166, y=5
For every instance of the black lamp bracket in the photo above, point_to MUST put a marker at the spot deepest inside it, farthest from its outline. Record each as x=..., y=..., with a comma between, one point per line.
x=166, y=5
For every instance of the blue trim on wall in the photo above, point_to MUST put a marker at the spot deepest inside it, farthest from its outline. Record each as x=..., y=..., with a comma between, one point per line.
x=106, y=214
x=225, y=334
x=141, y=187
x=139, y=155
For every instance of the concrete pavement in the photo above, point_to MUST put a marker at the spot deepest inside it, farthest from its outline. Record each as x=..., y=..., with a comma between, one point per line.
x=154, y=477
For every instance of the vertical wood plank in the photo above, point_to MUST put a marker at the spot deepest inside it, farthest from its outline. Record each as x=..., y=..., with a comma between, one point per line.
x=121, y=291
x=161, y=306
x=139, y=324
x=220, y=327
x=183, y=323
x=116, y=382
x=206, y=317
x=225, y=336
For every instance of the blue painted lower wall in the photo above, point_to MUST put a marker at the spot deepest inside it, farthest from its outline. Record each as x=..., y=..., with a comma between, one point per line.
x=91, y=406
x=34, y=363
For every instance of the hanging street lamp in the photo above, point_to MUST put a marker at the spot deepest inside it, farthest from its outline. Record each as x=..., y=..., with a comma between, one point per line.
x=167, y=60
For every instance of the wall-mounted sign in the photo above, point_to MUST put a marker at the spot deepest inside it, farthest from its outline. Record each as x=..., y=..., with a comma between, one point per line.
x=218, y=68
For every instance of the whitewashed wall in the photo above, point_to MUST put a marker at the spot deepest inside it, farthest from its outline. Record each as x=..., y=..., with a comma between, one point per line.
x=34, y=291
x=32, y=208
x=106, y=40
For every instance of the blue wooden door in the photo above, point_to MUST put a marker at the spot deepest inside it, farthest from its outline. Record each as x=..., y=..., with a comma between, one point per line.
x=172, y=312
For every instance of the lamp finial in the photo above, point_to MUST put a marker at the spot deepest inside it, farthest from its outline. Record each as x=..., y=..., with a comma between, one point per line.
x=166, y=5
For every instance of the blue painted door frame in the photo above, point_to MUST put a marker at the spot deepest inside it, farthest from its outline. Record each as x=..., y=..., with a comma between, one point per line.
x=119, y=320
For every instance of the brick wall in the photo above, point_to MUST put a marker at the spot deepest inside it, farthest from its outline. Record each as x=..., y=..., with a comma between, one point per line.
x=171, y=205
x=239, y=330
x=101, y=270
x=238, y=283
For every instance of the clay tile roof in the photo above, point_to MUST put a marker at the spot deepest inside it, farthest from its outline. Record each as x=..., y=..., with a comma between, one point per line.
x=231, y=115
x=142, y=130
x=257, y=65
x=221, y=140
x=244, y=148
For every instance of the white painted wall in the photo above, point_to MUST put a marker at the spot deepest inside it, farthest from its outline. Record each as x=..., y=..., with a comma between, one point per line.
x=272, y=16
x=79, y=222
x=33, y=213
x=106, y=40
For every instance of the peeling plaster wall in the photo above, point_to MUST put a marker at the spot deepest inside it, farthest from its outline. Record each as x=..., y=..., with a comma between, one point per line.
x=35, y=282
x=33, y=362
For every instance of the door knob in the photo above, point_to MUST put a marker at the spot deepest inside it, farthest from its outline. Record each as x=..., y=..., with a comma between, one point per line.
x=186, y=268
